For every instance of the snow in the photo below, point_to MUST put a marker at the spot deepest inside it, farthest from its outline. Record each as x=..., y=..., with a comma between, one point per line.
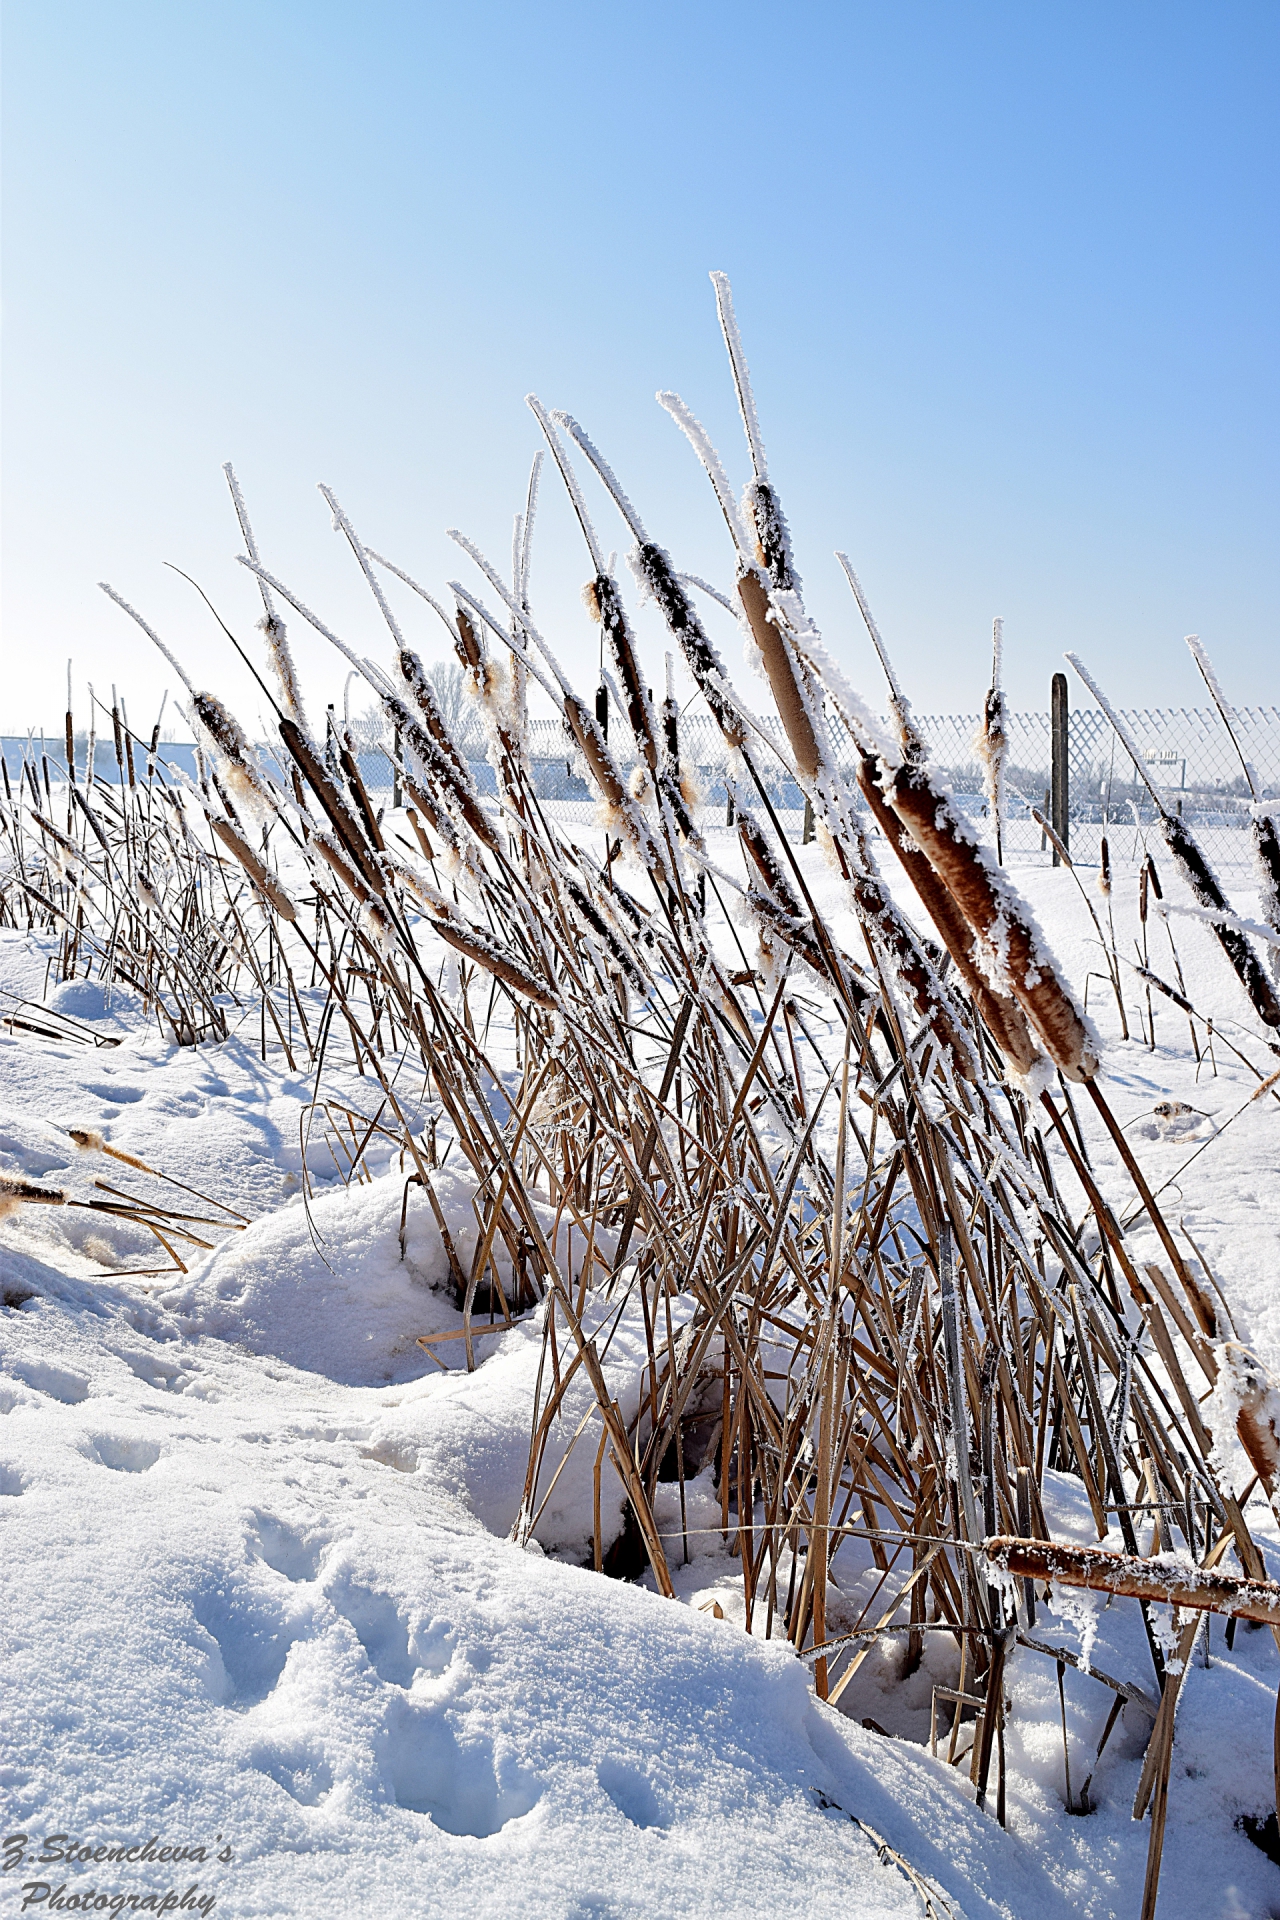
x=261, y=1590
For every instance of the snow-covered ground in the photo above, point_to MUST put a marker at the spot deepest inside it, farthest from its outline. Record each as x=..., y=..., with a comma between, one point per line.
x=260, y=1598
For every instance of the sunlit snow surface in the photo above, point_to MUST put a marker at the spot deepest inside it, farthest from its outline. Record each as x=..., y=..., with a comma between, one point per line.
x=259, y=1591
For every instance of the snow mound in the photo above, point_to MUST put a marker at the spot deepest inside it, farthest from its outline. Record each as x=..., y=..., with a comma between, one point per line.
x=90, y=1000
x=324, y=1287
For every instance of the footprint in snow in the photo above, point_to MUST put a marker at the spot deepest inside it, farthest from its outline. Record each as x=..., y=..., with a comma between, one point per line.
x=284, y=1548
x=58, y=1382
x=251, y=1643
x=632, y=1794
x=306, y=1776
x=123, y=1453
x=163, y=1375
x=381, y=1629
x=430, y=1771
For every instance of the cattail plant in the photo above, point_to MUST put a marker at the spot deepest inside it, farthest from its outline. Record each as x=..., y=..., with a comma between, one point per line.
x=871, y=1318
x=992, y=742
x=1196, y=871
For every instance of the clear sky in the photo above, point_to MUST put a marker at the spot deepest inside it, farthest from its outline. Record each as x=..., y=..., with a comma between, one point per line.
x=1007, y=275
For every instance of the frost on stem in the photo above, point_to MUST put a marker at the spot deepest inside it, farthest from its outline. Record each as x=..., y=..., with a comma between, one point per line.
x=1263, y=822
x=741, y=378
x=271, y=626
x=991, y=742
x=150, y=632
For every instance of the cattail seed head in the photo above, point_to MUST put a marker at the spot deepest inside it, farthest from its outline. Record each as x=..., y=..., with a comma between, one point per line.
x=234, y=756
x=15, y=1193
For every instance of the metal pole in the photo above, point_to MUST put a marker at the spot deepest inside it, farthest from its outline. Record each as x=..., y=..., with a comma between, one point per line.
x=671, y=735
x=1060, y=797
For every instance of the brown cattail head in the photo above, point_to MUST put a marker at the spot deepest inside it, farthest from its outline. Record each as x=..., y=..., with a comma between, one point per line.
x=15, y=1192
x=784, y=675
x=469, y=648
x=1257, y=1408
x=773, y=536
x=262, y=878
x=474, y=942
x=415, y=678
x=657, y=578
x=234, y=756
x=1005, y=1020
x=89, y=1140
x=1009, y=947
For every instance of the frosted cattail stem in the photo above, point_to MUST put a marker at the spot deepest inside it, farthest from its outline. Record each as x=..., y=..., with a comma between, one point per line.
x=992, y=740
x=1169, y=1579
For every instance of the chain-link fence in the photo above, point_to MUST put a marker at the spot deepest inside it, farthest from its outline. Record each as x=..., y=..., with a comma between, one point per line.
x=1188, y=753
x=1189, y=758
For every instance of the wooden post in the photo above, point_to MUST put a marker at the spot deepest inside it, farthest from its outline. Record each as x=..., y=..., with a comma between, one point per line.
x=1061, y=775
x=807, y=834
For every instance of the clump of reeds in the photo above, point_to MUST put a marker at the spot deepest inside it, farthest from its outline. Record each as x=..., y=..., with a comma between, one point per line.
x=869, y=1311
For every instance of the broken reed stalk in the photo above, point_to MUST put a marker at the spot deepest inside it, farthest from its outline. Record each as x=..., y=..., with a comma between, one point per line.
x=1170, y=1582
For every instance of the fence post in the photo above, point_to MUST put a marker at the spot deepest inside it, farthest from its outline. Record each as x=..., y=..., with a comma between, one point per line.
x=1060, y=797
x=807, y=831
x=671, y=736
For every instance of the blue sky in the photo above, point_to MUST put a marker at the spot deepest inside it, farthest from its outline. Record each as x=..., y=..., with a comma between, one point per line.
x=1007, y=276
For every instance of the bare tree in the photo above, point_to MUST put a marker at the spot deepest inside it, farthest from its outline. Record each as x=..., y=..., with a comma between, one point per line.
x=456, y=705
